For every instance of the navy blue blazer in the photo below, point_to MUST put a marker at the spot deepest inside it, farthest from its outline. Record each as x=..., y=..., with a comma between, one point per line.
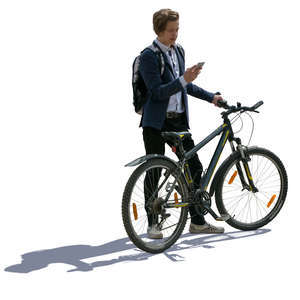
x=160, y=88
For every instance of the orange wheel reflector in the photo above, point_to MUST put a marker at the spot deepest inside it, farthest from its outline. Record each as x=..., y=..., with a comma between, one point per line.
x=176, y=198
x=271, y=200
x=134, y=211
x=232, y=177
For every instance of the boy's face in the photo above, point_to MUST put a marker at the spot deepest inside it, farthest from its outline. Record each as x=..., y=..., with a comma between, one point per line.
x=169, y=36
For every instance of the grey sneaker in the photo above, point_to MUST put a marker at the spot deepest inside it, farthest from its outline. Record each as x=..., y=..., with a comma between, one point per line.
x=206, y=228
x=154, y=233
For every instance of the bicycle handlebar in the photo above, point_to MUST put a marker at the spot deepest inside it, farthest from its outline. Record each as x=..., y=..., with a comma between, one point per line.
x=258, y=104
x=232, y=109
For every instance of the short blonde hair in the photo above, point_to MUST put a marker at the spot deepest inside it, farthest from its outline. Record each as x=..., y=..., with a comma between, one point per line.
x=161, y=18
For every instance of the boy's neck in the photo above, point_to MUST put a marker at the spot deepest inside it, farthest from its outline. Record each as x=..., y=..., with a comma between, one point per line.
x=168, y=45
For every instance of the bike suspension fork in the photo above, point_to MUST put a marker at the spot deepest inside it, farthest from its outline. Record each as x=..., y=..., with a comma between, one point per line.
x=245, y=158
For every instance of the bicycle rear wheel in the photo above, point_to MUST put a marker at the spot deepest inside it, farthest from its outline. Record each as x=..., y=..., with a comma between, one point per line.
x=137, y=203
x=251, y=210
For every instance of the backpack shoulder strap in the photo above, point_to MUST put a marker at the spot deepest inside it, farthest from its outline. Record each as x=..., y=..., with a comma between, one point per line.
x=159, y=54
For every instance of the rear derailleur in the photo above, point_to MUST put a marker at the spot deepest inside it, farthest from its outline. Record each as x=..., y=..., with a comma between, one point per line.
x=158, y=209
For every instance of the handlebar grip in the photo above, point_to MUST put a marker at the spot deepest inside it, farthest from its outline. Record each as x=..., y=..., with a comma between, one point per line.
x=258, y=104
x=223, y=103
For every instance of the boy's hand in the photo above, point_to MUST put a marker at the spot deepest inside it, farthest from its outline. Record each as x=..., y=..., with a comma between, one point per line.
x=216, y=99
x=191, y=73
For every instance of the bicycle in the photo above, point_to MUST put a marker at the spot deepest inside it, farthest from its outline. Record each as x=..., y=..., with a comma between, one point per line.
x=250, y=186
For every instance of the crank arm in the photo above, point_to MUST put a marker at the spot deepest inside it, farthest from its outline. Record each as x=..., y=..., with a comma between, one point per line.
x=223, y=217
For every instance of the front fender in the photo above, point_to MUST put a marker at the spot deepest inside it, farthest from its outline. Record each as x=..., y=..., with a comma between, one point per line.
x=144, y=158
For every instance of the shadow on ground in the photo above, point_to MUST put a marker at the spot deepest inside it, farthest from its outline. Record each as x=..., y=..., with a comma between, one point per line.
x=73, y=255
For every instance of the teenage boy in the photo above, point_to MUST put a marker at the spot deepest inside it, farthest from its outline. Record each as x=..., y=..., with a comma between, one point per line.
x=166, y=108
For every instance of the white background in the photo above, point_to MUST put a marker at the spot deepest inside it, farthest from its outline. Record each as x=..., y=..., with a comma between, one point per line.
x=67, y=128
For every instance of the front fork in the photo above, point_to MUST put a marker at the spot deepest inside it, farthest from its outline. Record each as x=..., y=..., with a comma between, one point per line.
x=245, y=158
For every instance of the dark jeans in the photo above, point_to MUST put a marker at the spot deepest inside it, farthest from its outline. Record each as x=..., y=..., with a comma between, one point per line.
x=155, y=144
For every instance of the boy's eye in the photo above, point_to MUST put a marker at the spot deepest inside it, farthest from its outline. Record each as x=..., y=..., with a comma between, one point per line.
x=173, y=30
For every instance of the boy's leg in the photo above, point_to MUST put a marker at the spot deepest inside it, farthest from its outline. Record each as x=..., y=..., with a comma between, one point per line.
x=154, y=144
x=194, y=163
x=196, y=171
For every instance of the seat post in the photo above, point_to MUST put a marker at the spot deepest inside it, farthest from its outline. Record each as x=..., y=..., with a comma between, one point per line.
x=181, y=149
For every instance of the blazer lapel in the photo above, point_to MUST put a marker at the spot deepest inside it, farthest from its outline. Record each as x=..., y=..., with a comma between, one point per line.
x=180, y=61
x=168, y=64
x=166, y=60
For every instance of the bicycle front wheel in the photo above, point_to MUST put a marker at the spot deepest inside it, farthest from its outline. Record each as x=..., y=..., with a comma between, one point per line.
x=143, y=205
x=250, y=210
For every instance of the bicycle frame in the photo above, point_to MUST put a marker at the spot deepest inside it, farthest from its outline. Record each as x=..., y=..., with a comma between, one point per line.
x=227, y=135
x=182, y=166
x=226, y=131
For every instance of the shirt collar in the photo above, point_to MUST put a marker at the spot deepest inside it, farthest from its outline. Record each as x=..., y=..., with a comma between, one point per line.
x=163, y=47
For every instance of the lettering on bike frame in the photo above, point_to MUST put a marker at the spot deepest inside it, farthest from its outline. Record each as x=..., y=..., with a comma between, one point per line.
x=226, y=131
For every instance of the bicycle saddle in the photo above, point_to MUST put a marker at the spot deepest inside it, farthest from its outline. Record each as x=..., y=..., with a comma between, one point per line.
x=172, y=135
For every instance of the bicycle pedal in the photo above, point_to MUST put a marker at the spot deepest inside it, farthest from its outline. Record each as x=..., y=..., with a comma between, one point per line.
x=166, y=216
x=223, y=217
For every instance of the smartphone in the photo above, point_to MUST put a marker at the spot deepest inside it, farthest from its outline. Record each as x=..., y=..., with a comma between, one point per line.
x=200, y=64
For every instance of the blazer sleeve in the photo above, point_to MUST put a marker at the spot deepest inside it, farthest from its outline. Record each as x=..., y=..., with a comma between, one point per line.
x=150, y=71
x=198, y=92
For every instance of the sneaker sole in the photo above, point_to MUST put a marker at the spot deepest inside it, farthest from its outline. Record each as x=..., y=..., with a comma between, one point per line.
x=204, y=232
x=155, y=237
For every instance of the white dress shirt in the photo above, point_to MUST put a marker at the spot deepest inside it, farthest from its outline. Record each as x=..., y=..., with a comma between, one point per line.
x=175, y=102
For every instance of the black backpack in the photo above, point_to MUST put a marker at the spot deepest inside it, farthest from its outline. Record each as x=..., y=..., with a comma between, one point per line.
x=138, y=84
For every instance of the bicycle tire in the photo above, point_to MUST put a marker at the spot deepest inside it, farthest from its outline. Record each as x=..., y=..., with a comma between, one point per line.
x=139, y=239
x=261, y=160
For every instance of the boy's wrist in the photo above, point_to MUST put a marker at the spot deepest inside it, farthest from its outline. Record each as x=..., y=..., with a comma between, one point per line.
x=183, y=81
